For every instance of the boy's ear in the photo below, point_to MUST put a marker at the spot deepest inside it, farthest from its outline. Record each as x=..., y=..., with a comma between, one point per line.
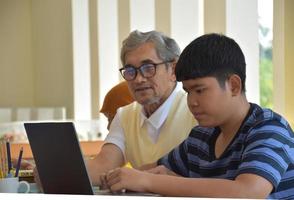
x=235, y=84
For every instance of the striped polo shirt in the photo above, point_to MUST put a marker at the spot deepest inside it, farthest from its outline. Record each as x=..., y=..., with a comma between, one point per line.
x=263, y=145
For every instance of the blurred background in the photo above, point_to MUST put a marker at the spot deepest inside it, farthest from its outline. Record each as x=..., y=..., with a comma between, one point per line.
x=58, y=58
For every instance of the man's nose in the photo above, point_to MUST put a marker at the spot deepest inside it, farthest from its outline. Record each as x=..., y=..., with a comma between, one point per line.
x=139, y=78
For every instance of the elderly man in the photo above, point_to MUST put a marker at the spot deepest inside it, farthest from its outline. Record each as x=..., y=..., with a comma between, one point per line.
x=159, y=119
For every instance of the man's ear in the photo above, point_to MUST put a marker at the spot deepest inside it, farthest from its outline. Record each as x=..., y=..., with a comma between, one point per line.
x=235, y=84
x=173, y=68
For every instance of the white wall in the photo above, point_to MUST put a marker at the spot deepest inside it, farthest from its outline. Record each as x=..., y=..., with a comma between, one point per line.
x=142, y=15
x=186, y=21
x=242, y=26
x=81, y=59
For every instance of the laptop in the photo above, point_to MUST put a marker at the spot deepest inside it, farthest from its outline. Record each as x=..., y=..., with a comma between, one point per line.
x=58, y=158
x=60, y=162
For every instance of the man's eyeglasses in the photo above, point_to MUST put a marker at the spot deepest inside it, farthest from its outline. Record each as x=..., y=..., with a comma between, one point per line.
x=146, y=70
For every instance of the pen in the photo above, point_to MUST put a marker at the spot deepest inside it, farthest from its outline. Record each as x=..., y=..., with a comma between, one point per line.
x=8, y=156
x=18, y=162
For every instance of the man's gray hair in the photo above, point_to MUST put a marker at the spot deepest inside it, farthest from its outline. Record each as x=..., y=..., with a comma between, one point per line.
x=167, y=49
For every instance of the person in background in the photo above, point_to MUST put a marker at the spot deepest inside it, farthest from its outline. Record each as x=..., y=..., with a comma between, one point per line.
x=239, y=150
x=158, y=119
x=115, y=98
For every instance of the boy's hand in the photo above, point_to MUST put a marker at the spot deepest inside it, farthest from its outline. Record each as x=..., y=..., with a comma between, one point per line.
x=161, y=169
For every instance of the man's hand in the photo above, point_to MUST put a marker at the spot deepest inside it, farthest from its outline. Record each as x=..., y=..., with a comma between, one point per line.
x=109, y=157
x=37, y=179
x=25, y=164
x=120, y=179
x=103, y=181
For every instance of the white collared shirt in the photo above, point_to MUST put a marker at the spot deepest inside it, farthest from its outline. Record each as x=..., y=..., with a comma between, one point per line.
x=153, y=123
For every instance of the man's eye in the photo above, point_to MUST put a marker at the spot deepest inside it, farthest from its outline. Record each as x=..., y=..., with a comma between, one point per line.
x=129, y=70
x=148, y=66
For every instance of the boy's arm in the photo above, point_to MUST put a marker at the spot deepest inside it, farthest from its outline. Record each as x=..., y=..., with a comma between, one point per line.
x=161, y=169
x=245, y=185
x=148, y=166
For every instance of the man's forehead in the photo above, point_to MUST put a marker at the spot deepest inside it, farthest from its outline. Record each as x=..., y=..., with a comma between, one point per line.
x=142, y=54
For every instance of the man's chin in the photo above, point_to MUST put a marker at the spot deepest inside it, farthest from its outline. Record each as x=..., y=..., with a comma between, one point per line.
x=147, y=101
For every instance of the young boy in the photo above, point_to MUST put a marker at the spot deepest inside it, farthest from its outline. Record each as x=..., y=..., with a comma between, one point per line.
x=239, y=150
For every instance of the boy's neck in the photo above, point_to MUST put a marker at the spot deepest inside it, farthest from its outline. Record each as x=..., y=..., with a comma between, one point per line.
x=232, y=125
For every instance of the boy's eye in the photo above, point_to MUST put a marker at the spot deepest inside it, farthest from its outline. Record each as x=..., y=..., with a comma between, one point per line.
x=200, y=90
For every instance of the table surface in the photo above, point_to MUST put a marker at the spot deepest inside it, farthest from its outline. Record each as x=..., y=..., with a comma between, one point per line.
x=35, y=193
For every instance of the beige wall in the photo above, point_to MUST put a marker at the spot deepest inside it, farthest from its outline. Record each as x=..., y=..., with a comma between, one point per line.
x=283, y=59
x=215, y=16
x=289, y=60
x=16, y=63
x=36, y=54
x=53, y=54
x=163, y=16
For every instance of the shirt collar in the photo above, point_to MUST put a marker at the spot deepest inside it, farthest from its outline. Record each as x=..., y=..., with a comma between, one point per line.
x=159, y=116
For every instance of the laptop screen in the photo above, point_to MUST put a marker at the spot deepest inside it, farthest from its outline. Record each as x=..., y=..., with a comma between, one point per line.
x=58, y=158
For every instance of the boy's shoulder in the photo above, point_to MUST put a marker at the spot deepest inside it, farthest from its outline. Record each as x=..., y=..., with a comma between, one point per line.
x=265, y=123
x=260, y=116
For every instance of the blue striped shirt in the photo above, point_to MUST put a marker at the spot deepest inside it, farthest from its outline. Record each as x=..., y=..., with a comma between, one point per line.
x=264, y=145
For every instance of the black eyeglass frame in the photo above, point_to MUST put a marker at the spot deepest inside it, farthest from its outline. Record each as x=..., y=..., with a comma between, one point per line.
x=140, y=69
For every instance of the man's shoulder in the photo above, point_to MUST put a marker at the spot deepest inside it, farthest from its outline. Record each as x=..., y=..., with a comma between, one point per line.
x=180, y=92
x=133, y=105
x=124, y=112
x=180, y=97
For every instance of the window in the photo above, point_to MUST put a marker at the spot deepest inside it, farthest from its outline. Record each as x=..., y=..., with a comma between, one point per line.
x=265, y=19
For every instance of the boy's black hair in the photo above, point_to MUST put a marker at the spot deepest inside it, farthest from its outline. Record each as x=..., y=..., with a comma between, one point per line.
x=212, y=55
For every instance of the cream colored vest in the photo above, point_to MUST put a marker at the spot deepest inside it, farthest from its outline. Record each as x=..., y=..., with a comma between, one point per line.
x=140, y=150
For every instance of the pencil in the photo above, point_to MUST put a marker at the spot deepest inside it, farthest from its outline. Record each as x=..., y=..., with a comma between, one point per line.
x=18, y=162
x=8, y=156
